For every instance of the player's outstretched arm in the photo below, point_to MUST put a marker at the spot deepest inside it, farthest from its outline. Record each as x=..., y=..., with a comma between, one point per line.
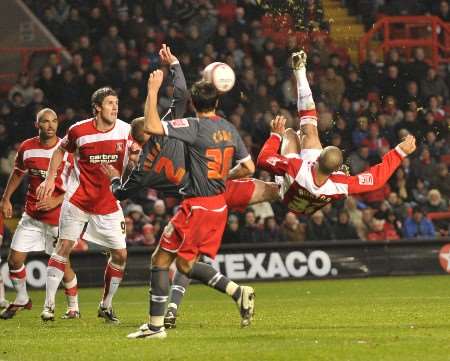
x=180, y=92
x=47, y=187
x=152, y=121
x=377, y=176
x=269, y=158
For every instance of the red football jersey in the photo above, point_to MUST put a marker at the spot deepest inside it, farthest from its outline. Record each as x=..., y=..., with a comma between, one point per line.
x=88, y=187
x=299, y=189
x=34, y=158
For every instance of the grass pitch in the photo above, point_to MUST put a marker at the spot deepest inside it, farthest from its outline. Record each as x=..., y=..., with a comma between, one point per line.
x=368, y=319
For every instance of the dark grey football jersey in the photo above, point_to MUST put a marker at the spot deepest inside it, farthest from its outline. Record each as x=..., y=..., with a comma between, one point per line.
x=212, y=145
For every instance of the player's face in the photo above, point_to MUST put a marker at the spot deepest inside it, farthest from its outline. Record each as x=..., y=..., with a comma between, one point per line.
x=48, y=125
x=109, y=109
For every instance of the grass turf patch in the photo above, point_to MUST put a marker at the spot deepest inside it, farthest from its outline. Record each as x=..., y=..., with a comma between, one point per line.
x=364, y=319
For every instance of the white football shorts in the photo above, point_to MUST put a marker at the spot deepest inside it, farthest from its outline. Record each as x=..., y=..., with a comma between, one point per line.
x=34, y=236
x=106, y=230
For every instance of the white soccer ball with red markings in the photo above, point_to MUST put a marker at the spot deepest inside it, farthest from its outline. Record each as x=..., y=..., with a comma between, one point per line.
x=221, y=75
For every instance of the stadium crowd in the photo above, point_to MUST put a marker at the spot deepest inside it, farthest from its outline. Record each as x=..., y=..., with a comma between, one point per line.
x=364, y=109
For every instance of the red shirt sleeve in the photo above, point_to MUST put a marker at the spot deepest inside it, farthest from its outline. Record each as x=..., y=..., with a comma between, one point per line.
x=19, y=165
x=270, y=160
x=68, y=143
x=375, y=177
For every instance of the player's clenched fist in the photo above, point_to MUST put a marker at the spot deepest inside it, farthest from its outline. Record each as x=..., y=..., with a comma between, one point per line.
x=408, y=145
x=155, y=80
x=278, y=125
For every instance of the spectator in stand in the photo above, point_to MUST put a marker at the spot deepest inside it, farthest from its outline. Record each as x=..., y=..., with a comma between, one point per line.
x=444, y=11
x=424, y=166
x=133, y=237
x=393, y=83
x=232, y=232
x=435, y=202
x=359, y=160
x=420, y=192
x=271, y=231
x=433, y=85
x=418, y=226
x=441, y=180
x=148, y=232
x=371, y=72
x=292, y=230
x=344, y=229
x=24, y=87
x=250, y=232
x=360, y=134
x=434, y=106
x=318, y=228
x=401, y=185
x=418, y=67
x=136, y=214
x=380, y=230
x=332, y=87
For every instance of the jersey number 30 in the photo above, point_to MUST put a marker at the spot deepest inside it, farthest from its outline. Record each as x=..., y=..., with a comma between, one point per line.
x=220, y=163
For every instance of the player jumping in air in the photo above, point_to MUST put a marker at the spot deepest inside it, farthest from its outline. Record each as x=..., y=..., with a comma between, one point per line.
x=89, y=203
x=310, y=174
x=211, y=145
x=38, y=227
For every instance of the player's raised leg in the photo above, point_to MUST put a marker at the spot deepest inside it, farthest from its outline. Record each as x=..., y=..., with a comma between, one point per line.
x=309, y=136
x=244, y=296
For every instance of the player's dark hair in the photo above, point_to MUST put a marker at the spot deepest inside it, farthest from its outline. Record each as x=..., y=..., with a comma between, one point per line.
x=99, y=95
x=204, y=96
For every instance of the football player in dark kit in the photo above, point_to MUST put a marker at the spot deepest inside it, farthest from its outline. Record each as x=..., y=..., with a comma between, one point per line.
x=211, y=145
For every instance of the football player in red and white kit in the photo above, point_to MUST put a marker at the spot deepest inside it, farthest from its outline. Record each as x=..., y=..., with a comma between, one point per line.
x=310, y=174
x=103, y=139
x=38, y=227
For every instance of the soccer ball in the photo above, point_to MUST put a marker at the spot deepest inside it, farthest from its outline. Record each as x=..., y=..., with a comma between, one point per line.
x=221, y=75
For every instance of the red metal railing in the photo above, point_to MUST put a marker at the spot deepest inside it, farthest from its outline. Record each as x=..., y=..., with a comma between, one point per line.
x=409, y=32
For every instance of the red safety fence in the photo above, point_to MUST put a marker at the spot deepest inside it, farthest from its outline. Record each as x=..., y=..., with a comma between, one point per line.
x=406, y=33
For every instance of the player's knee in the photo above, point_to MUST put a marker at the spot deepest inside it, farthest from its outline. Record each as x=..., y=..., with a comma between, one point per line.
x=64, y=247
x=291, y=142
x=119, y=256
x=14, y=262
x=184, y=266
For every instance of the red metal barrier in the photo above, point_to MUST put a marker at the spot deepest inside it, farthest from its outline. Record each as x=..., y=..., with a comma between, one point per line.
x=409, y=32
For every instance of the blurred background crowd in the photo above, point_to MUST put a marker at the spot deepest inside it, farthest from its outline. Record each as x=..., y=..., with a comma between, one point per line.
x=365, y=109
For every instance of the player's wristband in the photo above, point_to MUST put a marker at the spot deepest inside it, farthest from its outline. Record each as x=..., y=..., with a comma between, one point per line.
x=400, y=151
x=278, y=135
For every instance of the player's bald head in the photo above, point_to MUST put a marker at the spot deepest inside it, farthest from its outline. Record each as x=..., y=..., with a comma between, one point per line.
x=40, y=115
x=137, y=130
x=330, y=160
